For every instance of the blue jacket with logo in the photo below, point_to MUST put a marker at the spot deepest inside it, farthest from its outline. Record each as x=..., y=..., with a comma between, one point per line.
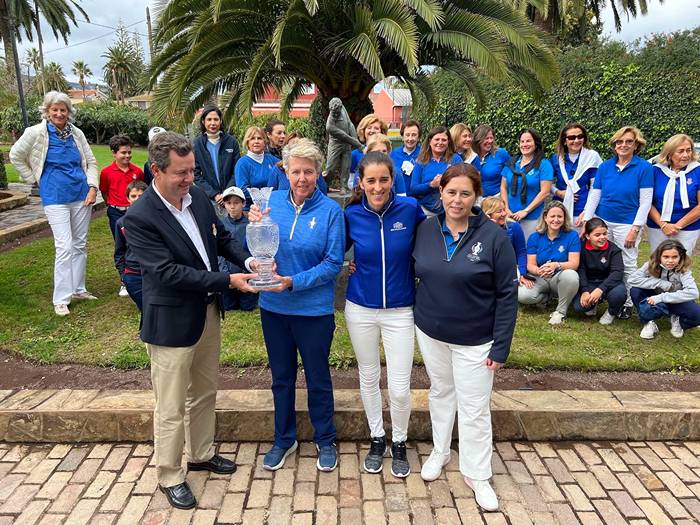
x=383, y=244
x=470, y=297
x=311, y=249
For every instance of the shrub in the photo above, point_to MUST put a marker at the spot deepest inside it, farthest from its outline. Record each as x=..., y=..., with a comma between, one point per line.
x=101, y=120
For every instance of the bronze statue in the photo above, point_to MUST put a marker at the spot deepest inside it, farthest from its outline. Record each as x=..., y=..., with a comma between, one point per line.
x=342, y=137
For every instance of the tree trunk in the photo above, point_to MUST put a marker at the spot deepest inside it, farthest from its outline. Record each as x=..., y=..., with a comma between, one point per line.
x=39, y=40
x=7, y=40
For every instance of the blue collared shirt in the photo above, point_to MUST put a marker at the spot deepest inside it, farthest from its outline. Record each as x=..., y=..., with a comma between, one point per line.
x=63, y=179
x=619, y=189
x=450, y=242
x=553, y=250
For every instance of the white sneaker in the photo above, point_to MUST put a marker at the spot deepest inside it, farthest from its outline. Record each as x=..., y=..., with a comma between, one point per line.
x=649, y=331
x=556, y=317
x=590, y=313
x=84, y=295
x=432, y=468
x=483, y=493
x=607, y=318
x=123, y=292
x=61, y=309
x=676, y=330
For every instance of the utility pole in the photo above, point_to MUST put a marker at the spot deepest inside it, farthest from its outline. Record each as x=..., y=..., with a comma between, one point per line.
x=150, y=34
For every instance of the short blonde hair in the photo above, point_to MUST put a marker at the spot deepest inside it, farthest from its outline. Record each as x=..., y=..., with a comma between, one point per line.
x=251, y=132
x=490, y=204
x=672, y=144
x=366, y=121
x=56, y=97
x=377, y=139
x=542, y=226
x=638, y=137
x=303, y=149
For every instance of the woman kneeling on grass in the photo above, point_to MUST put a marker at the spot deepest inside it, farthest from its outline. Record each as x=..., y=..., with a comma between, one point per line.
x=664, y=287
x=600, y=273
x=381, y=225
x=553, y=252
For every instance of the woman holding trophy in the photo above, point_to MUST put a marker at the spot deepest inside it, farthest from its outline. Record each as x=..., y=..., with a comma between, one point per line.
x=299, y=317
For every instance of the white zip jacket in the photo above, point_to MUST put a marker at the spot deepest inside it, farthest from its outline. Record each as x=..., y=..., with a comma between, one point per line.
x=28, y=154
x=677, y=287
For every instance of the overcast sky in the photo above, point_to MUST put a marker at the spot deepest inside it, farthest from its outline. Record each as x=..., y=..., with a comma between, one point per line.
x=89, y=41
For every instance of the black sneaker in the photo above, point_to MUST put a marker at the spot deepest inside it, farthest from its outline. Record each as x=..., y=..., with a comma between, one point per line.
x=374, y=461
x=625, y=313
x=399, y=464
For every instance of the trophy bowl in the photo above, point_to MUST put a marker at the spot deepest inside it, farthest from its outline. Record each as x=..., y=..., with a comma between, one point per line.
x=263, y=239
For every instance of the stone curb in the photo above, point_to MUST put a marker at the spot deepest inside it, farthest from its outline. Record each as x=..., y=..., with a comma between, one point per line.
x=22, y=230
x=247, y=415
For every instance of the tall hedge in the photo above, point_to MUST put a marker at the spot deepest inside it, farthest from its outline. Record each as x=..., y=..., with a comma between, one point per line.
x=603, y=89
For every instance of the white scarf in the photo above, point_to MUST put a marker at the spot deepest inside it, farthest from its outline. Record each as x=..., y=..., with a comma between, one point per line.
x=670, y=193
x=587, y=159
x=257, y=157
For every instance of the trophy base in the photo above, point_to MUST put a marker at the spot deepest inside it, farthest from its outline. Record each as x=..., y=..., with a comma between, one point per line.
x=264, y=284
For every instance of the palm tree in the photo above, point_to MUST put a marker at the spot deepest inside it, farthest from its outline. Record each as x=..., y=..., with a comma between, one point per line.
x=81, y=69
x=120, y=70
x=237, y=48
x=59, y=14
x=53, y=78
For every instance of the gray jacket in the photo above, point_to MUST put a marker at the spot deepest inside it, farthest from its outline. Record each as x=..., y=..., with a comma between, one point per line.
x=673, y=287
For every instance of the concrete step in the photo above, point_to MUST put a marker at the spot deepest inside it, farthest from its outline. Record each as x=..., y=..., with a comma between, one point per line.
x=73, y=416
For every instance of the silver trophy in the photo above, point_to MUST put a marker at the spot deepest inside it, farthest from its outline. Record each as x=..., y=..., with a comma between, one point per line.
x=263, y=239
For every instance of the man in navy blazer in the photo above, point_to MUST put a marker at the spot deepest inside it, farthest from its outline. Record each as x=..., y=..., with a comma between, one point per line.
x=176, y=237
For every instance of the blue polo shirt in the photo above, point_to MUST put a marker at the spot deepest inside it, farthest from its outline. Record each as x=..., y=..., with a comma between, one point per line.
x=619, y=197
x=450, y=243
x=399, y=156
x=533, y=178
x=661, y=181
x=584, y=182
x=420, y=182
x=556, y=250
x=356, y=157
x=63, y=179
x=491, y=170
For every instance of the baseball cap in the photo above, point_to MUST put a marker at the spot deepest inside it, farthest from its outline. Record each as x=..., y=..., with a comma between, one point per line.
x=233, y=191
x=154, y=131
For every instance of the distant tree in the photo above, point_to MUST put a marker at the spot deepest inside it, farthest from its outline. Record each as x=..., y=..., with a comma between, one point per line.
x=81, y=69
x=124, y=68
x=53, y=79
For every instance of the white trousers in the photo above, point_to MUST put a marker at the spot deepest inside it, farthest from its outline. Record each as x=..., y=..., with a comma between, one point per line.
x=69, y=224
x=617, y=233
x=460, y=381
x=687, y=238
x=395, y=325
x=528, y=227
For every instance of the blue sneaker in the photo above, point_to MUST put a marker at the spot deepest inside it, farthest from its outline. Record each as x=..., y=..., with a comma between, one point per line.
x=327, y=457
x=275, y=458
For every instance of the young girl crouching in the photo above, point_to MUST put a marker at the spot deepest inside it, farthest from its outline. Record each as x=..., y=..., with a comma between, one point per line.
x=664, y=287
x=601, y=271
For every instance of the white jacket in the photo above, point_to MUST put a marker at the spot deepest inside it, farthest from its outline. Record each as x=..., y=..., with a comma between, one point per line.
x=29, y=153
x=675, y=287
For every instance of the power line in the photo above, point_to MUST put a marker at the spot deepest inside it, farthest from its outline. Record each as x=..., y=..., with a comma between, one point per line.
x=115, y=28
x=91, y=39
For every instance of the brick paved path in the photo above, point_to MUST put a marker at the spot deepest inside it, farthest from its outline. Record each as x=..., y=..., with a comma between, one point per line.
x=547, y=483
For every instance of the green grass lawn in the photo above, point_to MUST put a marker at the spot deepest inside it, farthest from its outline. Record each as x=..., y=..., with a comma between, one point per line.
x=102, y=154
x=105, y=332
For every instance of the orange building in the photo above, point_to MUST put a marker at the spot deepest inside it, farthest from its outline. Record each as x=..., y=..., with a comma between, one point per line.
x=392, y=105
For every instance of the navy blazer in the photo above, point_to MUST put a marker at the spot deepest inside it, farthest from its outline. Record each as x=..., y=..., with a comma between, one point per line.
x=176, y=282
x=204, y=174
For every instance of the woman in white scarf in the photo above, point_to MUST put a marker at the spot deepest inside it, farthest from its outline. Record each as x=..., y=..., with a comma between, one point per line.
x=675, y=210
x=575, y=166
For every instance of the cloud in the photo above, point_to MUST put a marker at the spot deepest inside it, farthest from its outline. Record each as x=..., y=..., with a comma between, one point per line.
x=672, y=15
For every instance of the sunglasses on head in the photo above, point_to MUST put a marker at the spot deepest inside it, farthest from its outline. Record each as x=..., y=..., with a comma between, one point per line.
x=575, y=137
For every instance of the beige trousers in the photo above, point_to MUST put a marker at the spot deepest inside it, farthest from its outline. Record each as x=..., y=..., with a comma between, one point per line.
x=184, y=383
